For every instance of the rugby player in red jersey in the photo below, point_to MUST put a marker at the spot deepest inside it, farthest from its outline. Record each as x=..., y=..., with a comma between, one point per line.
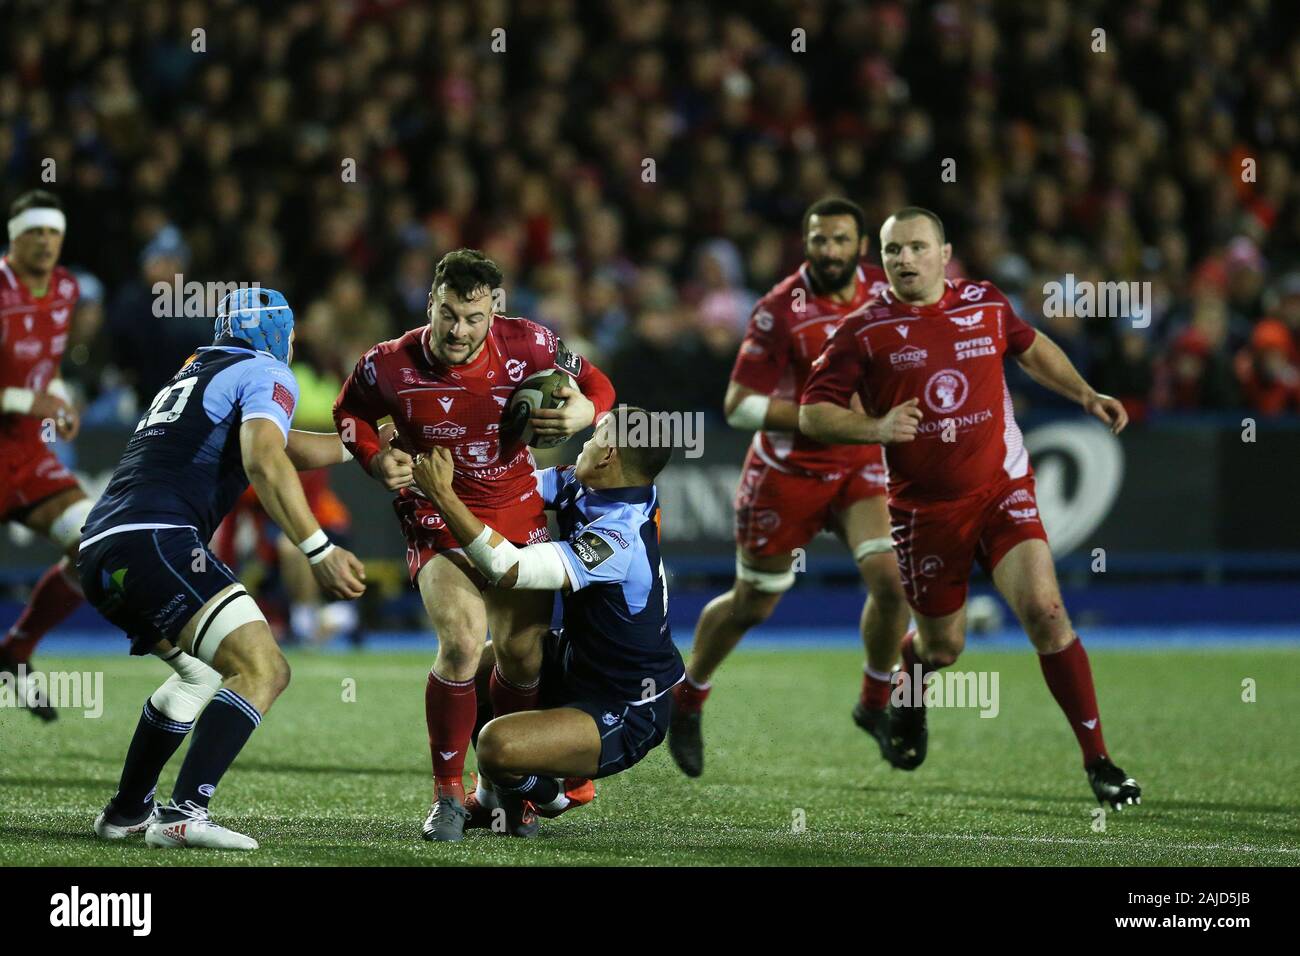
x=37, y=299
x=446, y=385
x=925, y=360
x=792, y=486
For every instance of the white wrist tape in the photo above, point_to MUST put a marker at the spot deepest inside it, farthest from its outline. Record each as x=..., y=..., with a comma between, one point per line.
x=346, y=455
x=540, y=566
x=35, y=218
x=751, y=413
x=17, y=401
x=317, y=547
x=59, y=389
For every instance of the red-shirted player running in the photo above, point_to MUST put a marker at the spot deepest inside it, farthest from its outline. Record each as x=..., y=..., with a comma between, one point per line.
x=37, y=298
x=792, y=486
x=925, y=359
x=446, y=385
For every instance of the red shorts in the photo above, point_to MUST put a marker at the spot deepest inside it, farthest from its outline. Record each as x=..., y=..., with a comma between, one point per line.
x=29, y=475
x=778, y=511
x=937, y=543
x=521, y=523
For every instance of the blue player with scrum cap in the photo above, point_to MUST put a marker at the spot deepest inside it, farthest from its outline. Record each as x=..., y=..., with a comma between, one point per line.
x=222, y=422
x=607, y=674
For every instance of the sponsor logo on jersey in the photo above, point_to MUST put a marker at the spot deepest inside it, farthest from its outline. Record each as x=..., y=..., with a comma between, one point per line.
x=475, y=454
x=972, y=293
x=763, y=320
x=909, y=357
x=537, y=536
x=973, y=348
x=930, y=565
x=284, y=398
x=566, y=360
x=444, y=430
x=515, y=369
x=752, y=348
x=946, y=391
x=902, y=330
x=766, y=520
x=967, y=321
x=60, y=315
x=409, y=376
x=66, y=288
x=617, y=536
x=1023, y=515
x=446, y=404
x=592, y=550
x=27, y=349
x=934, y=425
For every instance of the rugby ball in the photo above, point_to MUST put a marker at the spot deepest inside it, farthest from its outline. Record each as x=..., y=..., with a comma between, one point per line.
x=534, y=392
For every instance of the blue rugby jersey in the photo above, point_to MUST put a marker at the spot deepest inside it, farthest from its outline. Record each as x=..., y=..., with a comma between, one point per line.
x=616, y=613
x=183, y=466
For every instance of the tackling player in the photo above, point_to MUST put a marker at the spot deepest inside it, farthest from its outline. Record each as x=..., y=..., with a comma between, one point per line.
x=792, y=486
x=607, y=673
x=37, y=298
x=221, y=422
x=446, y=384
x=925, y=359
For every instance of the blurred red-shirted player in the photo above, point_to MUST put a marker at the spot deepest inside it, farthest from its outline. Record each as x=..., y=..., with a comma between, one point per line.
x=925, y=360
x=447, y=384
x=792, y=486
x=37, y=299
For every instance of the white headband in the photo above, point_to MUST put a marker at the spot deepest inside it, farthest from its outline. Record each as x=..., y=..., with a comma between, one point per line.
x=35, y=218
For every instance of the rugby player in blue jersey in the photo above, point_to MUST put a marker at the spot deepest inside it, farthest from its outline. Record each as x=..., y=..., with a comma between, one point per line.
x=221, y=422
x=606, y=674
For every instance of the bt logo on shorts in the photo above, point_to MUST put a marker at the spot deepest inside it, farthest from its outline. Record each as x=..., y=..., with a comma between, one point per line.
x=930, y=565
x=609, y=718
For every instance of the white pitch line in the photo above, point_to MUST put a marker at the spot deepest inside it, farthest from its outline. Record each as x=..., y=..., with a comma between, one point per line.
x=1008, y=838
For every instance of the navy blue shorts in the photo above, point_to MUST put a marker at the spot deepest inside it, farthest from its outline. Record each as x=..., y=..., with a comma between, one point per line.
x=150, y=582
x=627, y=731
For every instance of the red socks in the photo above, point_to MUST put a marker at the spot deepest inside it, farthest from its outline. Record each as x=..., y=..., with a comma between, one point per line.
x=689, y=697
x=56, y=595
x=876, y=689
x=1069, y=678
x=508, y=698
x=449, y=710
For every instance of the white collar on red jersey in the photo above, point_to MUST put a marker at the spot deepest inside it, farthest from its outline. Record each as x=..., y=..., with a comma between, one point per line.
x=9, y=272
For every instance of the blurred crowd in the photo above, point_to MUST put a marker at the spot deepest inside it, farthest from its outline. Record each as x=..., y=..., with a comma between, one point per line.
x=639, y=168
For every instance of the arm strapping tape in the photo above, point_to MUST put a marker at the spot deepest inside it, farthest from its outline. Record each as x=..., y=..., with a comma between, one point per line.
x=751, y=413
x=17, y=401
x=540, y=566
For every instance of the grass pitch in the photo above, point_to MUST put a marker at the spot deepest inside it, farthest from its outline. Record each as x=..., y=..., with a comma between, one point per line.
x=788, y=779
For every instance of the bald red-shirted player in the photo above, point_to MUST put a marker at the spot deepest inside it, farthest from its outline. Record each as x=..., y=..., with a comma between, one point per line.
x=447, y=384
x=792, y=486
x=37, y=298
x=925, y=360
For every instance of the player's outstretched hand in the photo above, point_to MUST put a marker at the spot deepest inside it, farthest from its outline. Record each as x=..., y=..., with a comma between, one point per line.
x=577, y=414
x=1109, y=410
x=392, y=466
x=900, y=423
x=341, y=574
x=66, y=420
x=434, y=473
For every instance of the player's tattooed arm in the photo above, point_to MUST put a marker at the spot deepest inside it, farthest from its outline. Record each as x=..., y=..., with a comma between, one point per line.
x=309, y=450
x=1049, y=366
